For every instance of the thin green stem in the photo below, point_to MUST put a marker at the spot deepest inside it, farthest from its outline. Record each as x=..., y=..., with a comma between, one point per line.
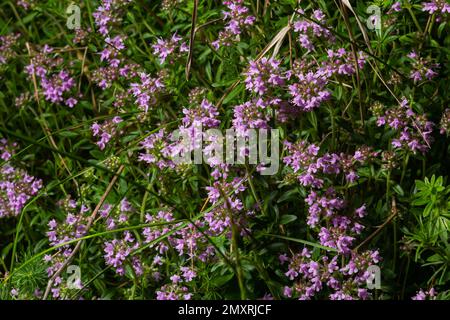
x=255, y=195
x=405, y=279
x=240, y=275
x=235, y=248
x=144, y=200
x=407, y=5
x=333, y=127
x=405, y=164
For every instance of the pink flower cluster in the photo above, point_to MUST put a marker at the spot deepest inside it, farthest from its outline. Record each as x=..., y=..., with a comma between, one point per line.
x=263, y=75
x=204, y=113
x=186, y=241
x=445, y=122
x=252, y=114
x=156, y=150
x=173, y=291
x=304, y=160
x=16, y=188
x=7, y=44
x=342, y=62
x=56, y=85
x=309, y=92
x=424, y=295
x=438, y=7
x=108, y=14
x=238, y=20
x=7, y=149
x=25, y=4
x=73, y=227
x=118, y=216
x=422, y=69
x=336, y=224
x=106, y=131
x=309, y=89
x=105, y=76
x=309, y=30
x=414, y=130
x=311, y=276
x=146, y=90
x=172, y=48
x=112, y=49
x=262, y=78
x=16, y=185
x=396, y=7
x=118, y=251
x=231, y=211
x=199, y=116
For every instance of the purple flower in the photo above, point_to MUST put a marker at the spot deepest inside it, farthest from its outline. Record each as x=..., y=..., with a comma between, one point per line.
x=361, y=211
x=107, y=15
x=146, y=91
x=105, y=131
x=238, y=20
x=171, y=47
x=444, y=123
x=397, y=6
x=157, y=150
x=173, y=292
x=287, y=292
x=205, y=114
x=414, y=131
x=56, y=86
x=71, y=102
x=175, y=278
x=421, y=68
x=7, y=149
x=263, y=75
x=188, y=274
x=16, y=188
x=423, y=295
x=117, y=252
x=439, y=7
x=309, y=92
x=309, y=30
x=252, y=114
x=7, y=44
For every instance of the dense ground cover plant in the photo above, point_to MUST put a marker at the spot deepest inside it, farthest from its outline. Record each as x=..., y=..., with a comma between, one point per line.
x=93, y=204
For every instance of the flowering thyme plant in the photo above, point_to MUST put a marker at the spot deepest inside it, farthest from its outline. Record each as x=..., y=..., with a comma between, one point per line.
x=95, y=204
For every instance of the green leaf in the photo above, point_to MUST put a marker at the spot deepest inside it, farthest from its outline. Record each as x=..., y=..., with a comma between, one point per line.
x=29, y=17
x=225, y=83
x=309, y=243
x=398, y=189
x=68, y=134
x=287, y=218
x=233, y=93
x=428, y=209
x=97, y=154
x=208, y=71
x=290, y=194
x=420, y=202
x=312, y=119
x=221, y=280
